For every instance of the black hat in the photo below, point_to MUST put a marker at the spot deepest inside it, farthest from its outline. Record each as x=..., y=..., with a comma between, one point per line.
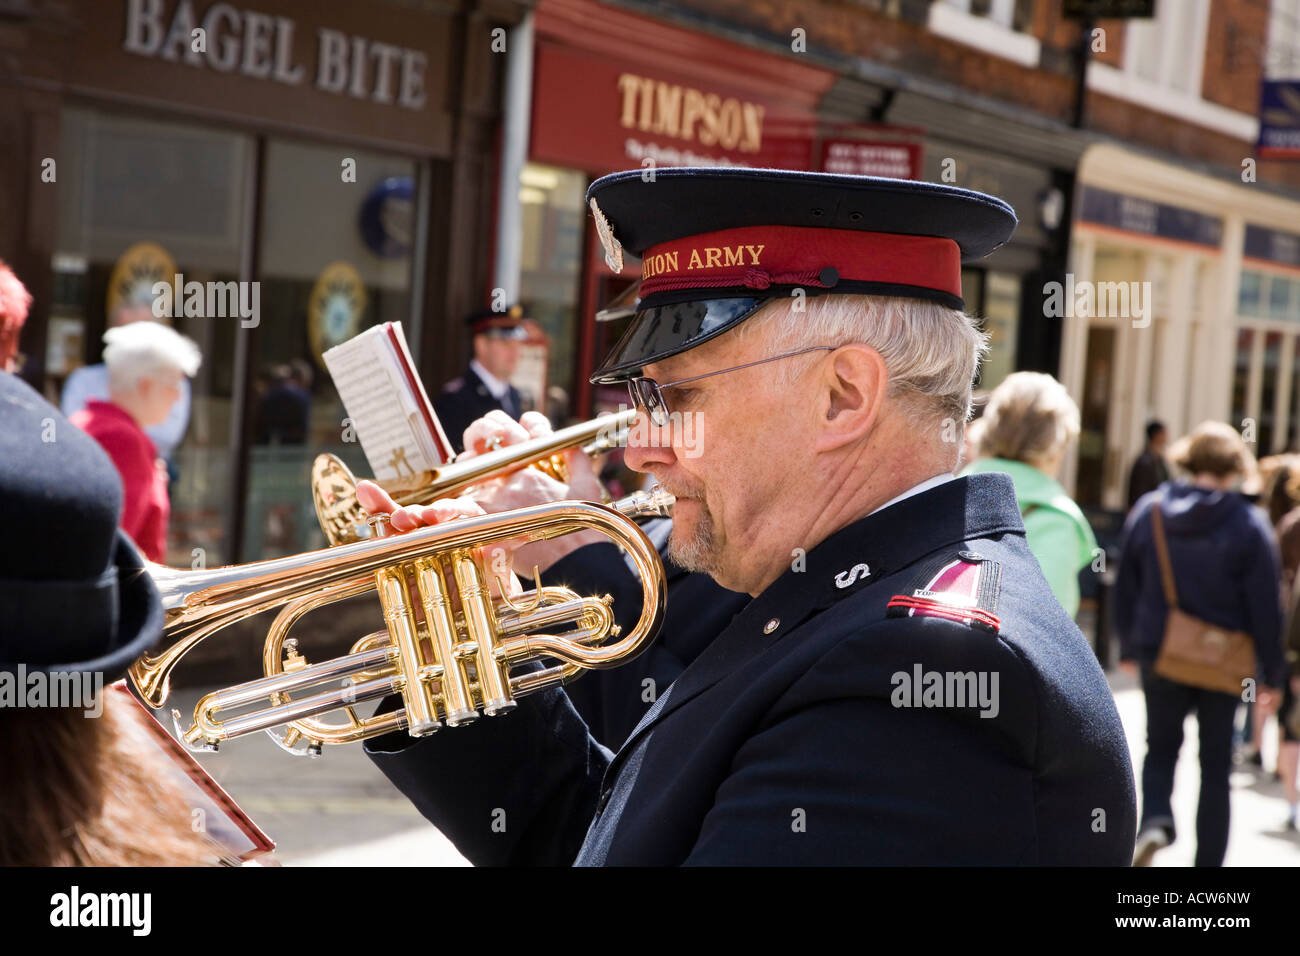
x=74, y=594
x=716, y=244
x=501, y=324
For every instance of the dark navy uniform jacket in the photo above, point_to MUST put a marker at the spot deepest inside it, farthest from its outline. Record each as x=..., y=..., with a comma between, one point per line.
x=466, y=399
x=811, y=730
x=612, y=702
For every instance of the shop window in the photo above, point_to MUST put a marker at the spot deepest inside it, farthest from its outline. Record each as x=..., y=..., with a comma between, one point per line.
x=1282, y=299
x=554, y=217
x=1001, y=320
x=1192, y=380
x=1266, y=295
x=1293, y=420
x=141, y=201
x=1163, y=69
x=335, y=259
x=1168, y=49
x=1009, y=14
x=1094, y=409
x=999, y=27
x=1268, y=392
x=1158, y=359
x=1241, y=376
x=1250, y=294
x=1282, y=61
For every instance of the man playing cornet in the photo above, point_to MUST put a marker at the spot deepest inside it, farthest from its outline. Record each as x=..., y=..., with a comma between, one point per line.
x=903, y=688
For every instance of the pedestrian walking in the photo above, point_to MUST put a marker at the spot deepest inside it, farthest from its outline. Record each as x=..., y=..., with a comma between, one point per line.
x=1198, y=577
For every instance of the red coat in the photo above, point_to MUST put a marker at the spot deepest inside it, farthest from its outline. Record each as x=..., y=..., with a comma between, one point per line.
x=144, y=482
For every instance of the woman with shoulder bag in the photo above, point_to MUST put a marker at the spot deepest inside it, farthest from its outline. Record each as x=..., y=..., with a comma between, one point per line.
x=1197, y=607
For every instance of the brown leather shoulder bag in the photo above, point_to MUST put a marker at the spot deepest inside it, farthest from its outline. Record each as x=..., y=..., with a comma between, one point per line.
x=1194, y=651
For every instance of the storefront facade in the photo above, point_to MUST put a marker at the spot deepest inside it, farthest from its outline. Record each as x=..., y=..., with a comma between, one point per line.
x=331, y=161
x=1029, y=162
x=1212, y=332
x=614, y=90
x=618, y=90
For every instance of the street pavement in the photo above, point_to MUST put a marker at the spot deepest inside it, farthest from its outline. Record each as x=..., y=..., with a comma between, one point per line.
x=338, y=810
x=1257, y=836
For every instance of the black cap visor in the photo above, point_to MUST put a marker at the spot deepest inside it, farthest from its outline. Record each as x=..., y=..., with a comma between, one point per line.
x=512, y=333
x=664, y=330
x=668, y=327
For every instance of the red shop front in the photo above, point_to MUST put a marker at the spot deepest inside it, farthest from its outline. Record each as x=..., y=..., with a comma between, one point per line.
x=613, y=90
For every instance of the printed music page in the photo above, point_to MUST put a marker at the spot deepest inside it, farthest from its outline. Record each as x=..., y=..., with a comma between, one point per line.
x=390, y=411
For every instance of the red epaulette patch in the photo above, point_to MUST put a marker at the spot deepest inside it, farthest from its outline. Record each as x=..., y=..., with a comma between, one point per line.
x=962, y=588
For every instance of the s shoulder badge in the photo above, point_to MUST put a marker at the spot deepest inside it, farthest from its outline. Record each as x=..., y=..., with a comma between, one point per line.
x=613, y=248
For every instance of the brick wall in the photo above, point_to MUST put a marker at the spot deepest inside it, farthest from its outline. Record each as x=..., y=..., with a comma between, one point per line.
x=893, y=33
x=1113, y=55
x=1234, y=51
x=865, y=28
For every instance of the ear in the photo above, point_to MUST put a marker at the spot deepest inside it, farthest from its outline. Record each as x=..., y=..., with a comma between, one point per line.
x=852, y=386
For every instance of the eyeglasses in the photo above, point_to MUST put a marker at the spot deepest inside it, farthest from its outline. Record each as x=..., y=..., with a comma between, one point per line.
x=647, y=394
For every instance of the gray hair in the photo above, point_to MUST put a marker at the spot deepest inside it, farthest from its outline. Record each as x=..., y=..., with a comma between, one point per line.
x=144, y=350
x=1030, y=417
x=931, y=352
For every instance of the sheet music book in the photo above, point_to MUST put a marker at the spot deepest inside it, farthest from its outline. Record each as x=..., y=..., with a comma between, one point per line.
x=390, y=411
x=234, y=835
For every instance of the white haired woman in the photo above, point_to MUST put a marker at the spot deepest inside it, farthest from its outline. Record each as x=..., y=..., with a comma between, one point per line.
x=1029, y=422
x=147, y=363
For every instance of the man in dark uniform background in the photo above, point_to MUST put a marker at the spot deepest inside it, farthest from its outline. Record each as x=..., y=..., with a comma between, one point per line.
x=903, y=688
x=486, y=382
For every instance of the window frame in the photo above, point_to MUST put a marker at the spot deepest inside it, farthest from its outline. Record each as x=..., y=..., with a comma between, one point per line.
x=952, y=20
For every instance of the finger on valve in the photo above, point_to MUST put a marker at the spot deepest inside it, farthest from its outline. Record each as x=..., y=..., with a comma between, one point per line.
x=494, y=430
x=500, y=578
x=444, y=509
x=498, y=575
x=374, y=499
x=536, y=424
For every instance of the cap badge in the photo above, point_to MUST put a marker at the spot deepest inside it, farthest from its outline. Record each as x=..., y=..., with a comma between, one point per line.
x=613, y=248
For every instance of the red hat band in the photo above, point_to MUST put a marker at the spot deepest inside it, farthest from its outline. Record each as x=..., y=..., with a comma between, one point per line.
x=756, y=257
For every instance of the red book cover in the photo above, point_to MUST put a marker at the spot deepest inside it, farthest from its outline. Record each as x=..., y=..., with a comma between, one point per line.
x=230, y=829
x=417, y=388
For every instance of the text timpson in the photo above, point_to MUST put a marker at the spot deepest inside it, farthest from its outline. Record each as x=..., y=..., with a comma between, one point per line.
x=652, y=106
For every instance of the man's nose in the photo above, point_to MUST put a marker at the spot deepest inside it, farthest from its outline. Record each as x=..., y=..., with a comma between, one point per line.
x=648, y=444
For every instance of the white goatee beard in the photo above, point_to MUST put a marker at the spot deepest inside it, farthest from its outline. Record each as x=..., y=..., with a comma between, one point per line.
x=699, y=552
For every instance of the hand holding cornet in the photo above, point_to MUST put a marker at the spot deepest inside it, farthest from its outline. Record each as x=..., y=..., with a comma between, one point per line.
x=497, y=430
x=519, y=489
x=501, y=579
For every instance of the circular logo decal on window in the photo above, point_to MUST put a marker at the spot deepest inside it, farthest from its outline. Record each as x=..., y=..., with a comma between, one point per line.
x=134, y=275
x=338, y=300
x=387, y=217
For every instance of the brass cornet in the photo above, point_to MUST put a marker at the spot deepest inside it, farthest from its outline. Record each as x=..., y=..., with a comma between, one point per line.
x=463, y=658
x=334, y=489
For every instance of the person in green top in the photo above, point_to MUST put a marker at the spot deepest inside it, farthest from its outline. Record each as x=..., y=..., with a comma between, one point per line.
x=1029, y=422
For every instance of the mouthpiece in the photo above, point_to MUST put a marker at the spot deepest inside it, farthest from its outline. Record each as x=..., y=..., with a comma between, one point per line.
x=645, y=504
